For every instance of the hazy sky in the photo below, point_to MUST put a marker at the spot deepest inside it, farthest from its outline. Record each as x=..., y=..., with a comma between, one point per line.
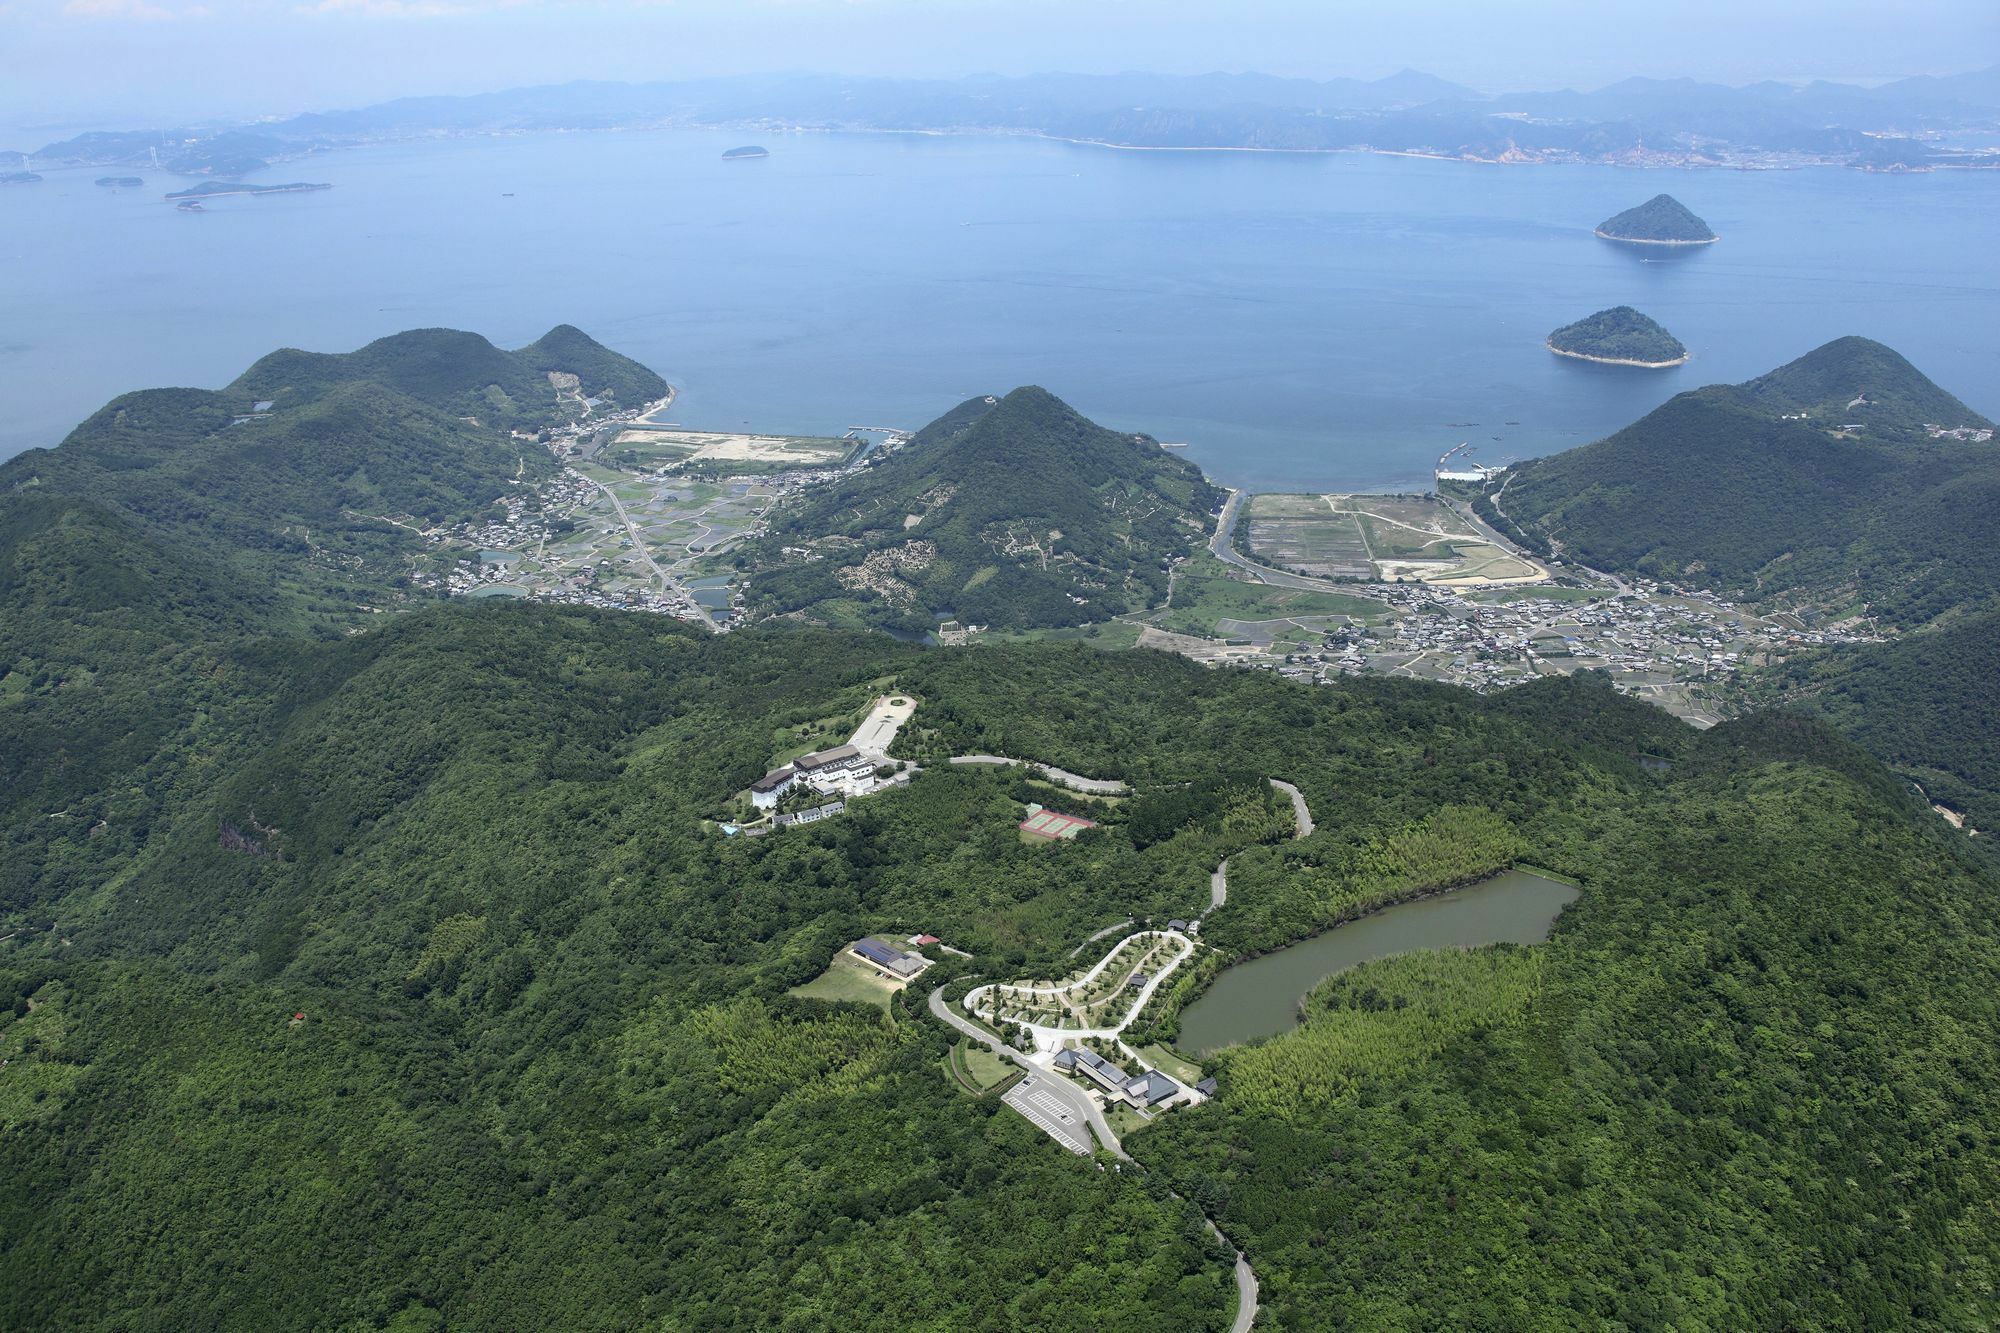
x=79, y=63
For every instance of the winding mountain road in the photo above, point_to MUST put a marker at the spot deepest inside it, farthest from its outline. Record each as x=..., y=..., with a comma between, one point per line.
x=1074, y=781
x=1218, y=880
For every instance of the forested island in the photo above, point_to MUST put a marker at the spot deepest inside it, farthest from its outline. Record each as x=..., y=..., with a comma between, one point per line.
x=1620, y=336
x=19, y=177
x=1661, y=220
x=120, y=182
x=748, y=151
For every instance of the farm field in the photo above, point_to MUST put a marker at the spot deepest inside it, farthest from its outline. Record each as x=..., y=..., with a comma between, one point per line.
x=1207, y=597
x=1395, y=538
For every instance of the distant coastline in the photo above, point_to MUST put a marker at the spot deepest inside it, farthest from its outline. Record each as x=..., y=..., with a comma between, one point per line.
x=1680, y=360
x=220, y=190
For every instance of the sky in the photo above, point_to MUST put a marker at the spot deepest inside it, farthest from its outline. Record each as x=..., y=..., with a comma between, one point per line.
x=79, y=64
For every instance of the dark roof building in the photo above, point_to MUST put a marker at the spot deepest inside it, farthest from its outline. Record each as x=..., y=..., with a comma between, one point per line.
x=1206, y=1087
x=840, y=756
x=888, y=957
x=776, y=778
x=1101, y=1071
x=1177, y=924
x=1138, y=981
x=1150, y=1088
x=1065, y=1060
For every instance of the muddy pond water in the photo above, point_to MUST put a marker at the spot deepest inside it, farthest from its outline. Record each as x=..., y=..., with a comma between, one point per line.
x=1260, y=998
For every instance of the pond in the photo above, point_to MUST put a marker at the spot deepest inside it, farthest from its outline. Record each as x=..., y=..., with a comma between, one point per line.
x=1260, y=998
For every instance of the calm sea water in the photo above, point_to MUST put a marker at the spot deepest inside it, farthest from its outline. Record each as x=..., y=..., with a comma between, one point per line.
x=1301, y=321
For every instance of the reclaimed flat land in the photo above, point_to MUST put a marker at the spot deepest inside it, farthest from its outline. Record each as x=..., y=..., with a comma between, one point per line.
x=1416, y=538
x=675, y=447
x=1302, y=533
x=848, y=979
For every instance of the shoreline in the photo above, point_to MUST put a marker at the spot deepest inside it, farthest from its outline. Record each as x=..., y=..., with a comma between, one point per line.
x=1680, y=360
x=1604, y=235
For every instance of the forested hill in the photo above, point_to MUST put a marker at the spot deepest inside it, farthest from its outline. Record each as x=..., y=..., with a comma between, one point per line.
x=1008, y=512
x=424, y=997
x=1661, y=220
x=1816, y=486
x=291, y=514
x=405, y=979
x=1817, y=483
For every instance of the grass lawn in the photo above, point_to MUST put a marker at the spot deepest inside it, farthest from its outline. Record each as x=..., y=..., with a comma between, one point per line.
x=1125, y=1121
x=1176, y=1067
x=985, y=1068
x=847, y=980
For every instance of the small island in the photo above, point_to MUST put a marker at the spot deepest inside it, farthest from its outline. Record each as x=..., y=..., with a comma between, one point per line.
x=217, y=189
x=18, y=177
x=1620, y=336
x=747, y=151
x=118, y=182
x=1661, y=220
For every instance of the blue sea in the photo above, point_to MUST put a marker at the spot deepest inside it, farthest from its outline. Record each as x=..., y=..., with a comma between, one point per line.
x=1300, y=321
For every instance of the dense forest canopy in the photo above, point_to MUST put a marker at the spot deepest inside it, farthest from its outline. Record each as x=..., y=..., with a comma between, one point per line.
x=1009, y=512
x=1619, y=334
x=406, y=979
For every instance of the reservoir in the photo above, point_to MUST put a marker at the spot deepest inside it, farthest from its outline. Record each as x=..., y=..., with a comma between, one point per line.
x=1260, y=998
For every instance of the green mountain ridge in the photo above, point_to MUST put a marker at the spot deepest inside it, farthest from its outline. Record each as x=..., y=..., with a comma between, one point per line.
x=1756, y=491
x=1009, y=512
x=1726, y=487
x=402, y=979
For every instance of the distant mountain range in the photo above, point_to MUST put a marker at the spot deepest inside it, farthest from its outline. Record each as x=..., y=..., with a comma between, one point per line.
x=1905, y=125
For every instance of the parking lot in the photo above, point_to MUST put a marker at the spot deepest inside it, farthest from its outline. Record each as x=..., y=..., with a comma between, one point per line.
x=874, y=736
x=1047, y=1110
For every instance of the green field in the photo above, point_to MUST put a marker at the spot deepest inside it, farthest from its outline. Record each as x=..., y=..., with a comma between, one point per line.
x=1172, y=1064
x=847, y=980
x=1205, y=592
x=977, y=1069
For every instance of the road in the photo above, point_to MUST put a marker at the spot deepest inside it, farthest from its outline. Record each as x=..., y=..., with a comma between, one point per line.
x=1220, y=548
x=668, y=582
x=1072, y=1096
x=1074, y=781
x=1302, y=815
x=1111, y=929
